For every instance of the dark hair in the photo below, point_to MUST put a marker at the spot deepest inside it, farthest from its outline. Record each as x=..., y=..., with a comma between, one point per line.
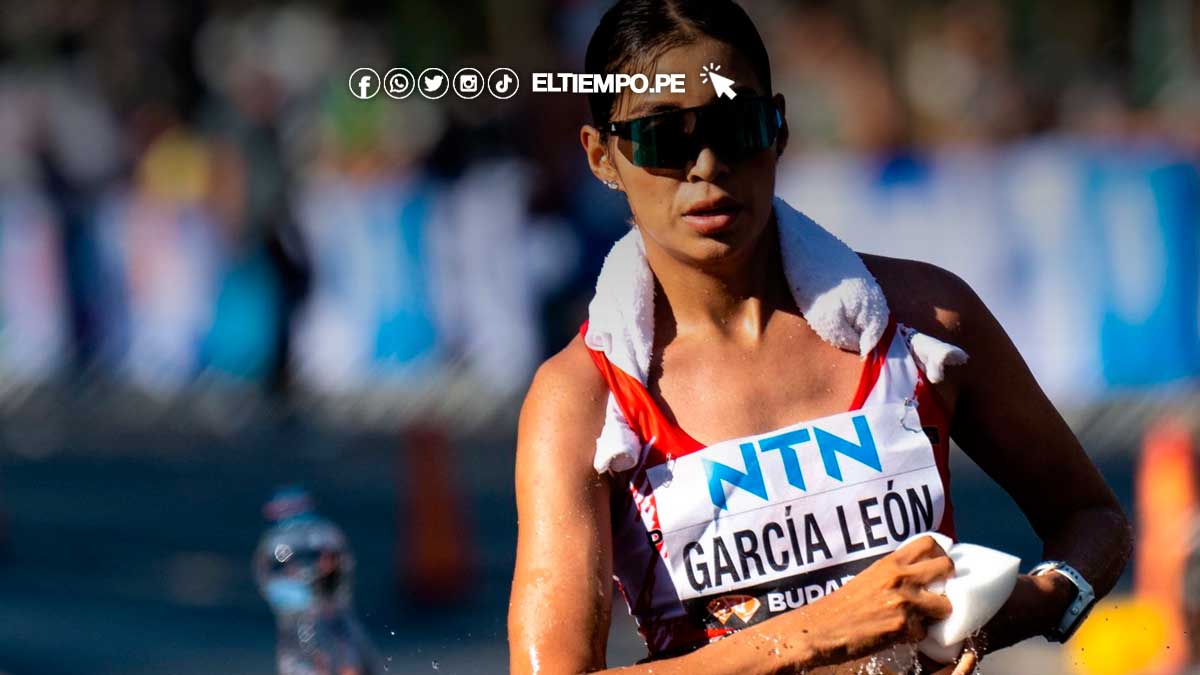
x=633, y=33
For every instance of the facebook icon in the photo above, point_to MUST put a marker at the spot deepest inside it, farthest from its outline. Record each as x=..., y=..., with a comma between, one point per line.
x=364, y=83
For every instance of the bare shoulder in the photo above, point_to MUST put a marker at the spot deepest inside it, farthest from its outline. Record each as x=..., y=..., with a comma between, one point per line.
x=564, y=407
x=929, y=298
x=569, y=378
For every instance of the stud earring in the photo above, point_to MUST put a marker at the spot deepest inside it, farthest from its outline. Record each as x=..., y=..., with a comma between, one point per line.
x=610, y=184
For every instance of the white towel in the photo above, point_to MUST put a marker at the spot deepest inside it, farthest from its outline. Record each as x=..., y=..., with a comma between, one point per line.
x=830, y=284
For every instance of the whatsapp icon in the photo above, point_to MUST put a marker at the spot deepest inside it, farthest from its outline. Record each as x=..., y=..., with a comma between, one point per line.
x=398, y=83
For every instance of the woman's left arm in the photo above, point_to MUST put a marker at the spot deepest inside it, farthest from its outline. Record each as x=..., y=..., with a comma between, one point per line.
x=1006, y=424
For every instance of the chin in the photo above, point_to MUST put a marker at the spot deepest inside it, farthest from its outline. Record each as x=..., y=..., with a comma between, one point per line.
x=718, y=246
x=712, y=249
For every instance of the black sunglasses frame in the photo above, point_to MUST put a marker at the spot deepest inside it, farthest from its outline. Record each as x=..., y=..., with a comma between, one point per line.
x=745, y=140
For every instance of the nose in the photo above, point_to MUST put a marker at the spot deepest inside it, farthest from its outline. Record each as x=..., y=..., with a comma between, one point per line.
x=707, y=167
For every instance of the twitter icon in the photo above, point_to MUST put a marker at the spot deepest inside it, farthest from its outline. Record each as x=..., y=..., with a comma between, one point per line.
x=433, y=83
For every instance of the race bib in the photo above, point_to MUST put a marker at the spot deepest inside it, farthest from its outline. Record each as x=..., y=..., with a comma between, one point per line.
x=755, y=526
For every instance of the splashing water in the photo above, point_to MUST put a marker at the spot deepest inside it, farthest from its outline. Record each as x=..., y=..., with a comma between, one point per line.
x=974, y=646
x=896, y=659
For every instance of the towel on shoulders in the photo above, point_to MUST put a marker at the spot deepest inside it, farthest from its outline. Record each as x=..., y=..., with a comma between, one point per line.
x=832, y=287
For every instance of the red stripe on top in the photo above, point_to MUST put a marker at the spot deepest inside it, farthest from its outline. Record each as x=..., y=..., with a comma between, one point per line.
x=642, y=412
x=874, y=365
x=670, y=440
x=932, y=411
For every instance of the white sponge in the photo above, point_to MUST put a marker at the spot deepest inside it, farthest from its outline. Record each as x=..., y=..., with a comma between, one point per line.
x=983, y=579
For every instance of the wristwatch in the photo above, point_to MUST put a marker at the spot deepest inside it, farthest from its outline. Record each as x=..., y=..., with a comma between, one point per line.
x=1078, y=610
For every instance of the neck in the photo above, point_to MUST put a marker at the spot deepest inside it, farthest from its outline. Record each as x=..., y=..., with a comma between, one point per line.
x=734, y=298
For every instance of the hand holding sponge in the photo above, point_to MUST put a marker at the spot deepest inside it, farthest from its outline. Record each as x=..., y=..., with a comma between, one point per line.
x=983, y=579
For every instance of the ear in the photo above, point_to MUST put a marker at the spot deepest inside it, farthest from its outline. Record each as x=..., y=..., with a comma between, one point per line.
x=781, y=140
x=599, y=158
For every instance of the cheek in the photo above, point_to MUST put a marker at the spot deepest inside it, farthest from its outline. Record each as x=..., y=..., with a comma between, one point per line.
x=651, y=198
x=757, y=177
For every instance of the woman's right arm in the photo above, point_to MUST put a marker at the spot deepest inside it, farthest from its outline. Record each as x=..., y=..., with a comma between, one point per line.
x=562, y=587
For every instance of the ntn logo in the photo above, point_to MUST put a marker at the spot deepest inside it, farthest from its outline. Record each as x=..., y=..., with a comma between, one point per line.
x=828, y=446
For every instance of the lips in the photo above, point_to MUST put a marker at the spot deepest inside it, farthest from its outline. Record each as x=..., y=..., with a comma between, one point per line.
x=712, y=215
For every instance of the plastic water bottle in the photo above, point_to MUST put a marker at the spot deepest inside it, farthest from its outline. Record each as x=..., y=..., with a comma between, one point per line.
x=305, y=571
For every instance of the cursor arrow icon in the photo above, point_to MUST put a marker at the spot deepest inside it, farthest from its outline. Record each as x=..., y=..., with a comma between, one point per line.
x=723, y=85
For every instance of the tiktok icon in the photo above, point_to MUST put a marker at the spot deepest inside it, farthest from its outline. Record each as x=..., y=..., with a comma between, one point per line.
x=503, y=83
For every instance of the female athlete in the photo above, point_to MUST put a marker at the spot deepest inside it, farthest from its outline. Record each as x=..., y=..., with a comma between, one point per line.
x=778, y=551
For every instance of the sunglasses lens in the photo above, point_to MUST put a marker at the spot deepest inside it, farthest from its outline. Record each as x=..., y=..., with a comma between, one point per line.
x=671, y=140
x=660, y=141
x=741, y=129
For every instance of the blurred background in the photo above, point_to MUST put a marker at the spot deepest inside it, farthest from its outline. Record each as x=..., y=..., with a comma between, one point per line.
x=221, y=273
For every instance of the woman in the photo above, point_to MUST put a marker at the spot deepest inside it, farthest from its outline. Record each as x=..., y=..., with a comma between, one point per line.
x=745, y=335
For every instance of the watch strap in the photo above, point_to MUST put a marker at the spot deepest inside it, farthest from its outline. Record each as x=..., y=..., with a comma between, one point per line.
x=1075, y=613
